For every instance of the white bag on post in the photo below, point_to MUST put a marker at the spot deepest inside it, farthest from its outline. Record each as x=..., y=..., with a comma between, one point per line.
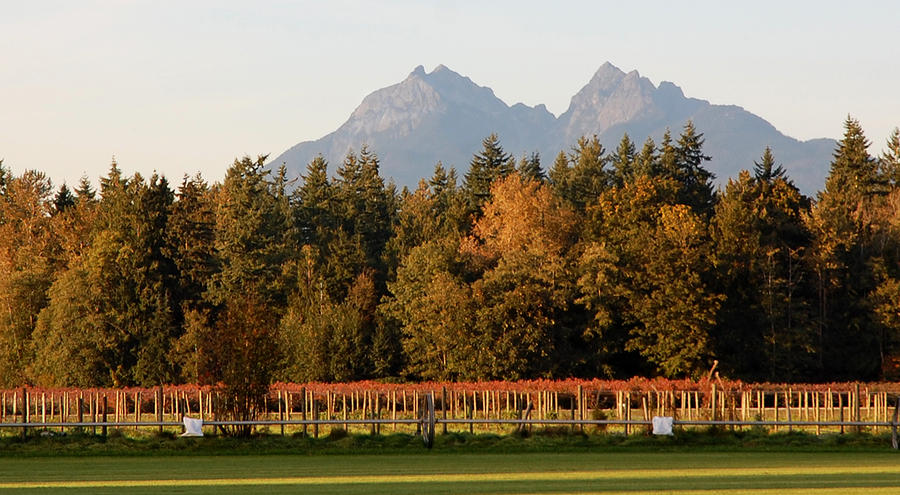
x=662, y=425
x=192, y=427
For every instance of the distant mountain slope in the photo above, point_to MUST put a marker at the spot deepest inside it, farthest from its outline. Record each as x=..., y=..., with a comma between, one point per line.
x=443, y=116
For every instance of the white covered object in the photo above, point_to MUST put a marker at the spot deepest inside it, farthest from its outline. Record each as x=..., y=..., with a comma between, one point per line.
x=662, y=425
x=192, y=427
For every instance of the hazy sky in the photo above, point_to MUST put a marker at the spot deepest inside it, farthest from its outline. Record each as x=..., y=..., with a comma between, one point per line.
x=186, y=86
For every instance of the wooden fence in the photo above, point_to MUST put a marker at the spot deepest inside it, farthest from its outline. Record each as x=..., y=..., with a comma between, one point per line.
x=537, y=400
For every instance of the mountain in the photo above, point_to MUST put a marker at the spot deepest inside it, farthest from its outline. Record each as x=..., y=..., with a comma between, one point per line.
x=443, y=116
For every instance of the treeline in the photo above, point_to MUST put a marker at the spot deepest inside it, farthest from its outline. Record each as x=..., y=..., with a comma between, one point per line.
x=612, y=263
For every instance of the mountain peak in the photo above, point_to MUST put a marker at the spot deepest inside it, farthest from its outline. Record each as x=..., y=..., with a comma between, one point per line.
x=608, y=67
x=607, y=76
x=670, y=90
x=418, y=71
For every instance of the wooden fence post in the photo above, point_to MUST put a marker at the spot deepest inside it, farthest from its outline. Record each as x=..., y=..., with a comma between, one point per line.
x=95, y=410
x=856, y=415
x=580, y=405
x=894, y=439
x=303, y=409
x=344, y=411
x=841, y=407
x=315, y=411
x=160, y=405
x=281, y=411
x=25, y=412
x=788, y=396
x=103, y=430
x=444, y=407
x=80, y=409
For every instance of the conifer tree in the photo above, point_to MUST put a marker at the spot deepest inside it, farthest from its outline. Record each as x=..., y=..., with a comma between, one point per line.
x=249, y=237
x=486, y=166
x=530, y=167
x=581, y=176
x=696, y=181
x=766, y=170
x=440, y=179
x=890, y=159
x=646, y=276
x=85, y=192
x=853, y=171
x=623, y=162
x=4, y=178
x=63, y=199
x=314, y=212
x=646, y=163
x=189, y=239
x=760, y=240
x=560, y=176
x=847, y=335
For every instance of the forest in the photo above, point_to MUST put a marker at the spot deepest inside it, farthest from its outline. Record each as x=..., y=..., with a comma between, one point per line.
x=601, y=264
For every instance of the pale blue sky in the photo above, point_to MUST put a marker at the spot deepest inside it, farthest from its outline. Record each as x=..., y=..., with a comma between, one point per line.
x=186, y=86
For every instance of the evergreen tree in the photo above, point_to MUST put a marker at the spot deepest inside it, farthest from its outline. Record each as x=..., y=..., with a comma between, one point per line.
x=63, y=199
x=189, y=237
x=440, y=180
x=853, y=171
x=249, y=237
x=428, y=213
x=75, y=226
x=645, y=275
x=486, y=166
x=433, y=305
x=847, y=333
x=581, y=177
x=364, y=212
x=529, y=167
x=85, y=192
x=315, y=211
x=326, y=340
x=623, y=162
x=646, y=163
x=765, y=170
x=560, y=176
x=130, y=317
x=696, y=181
x=589, y=175
x=890, y=159
x=4, y=178
x=668, y=157
x=760, y=239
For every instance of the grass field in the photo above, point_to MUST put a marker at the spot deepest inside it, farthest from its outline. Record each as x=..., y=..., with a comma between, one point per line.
x=455, y=473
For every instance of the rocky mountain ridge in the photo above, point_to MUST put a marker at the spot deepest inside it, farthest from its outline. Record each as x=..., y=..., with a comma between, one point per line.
x=443, y=116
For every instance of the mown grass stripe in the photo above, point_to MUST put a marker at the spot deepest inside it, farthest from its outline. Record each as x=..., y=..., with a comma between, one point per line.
x=733, y=491
x=548, y=476
x=162, y=484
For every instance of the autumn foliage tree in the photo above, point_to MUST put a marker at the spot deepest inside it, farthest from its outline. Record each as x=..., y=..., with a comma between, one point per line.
x=243, y=358
x=521, y=243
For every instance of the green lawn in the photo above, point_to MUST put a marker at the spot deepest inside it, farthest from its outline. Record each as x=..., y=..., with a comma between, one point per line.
x=470, y=474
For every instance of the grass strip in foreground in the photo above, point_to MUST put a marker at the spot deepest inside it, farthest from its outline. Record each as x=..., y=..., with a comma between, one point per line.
x=470, y=474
